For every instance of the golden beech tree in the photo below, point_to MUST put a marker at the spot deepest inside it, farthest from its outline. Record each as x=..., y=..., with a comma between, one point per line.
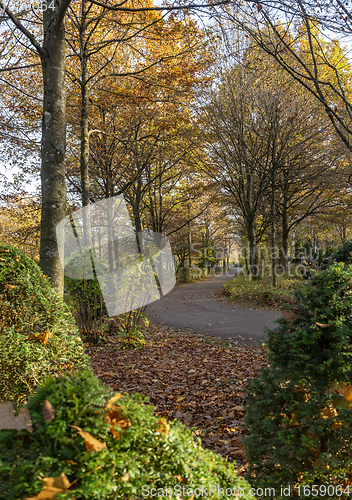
x=139, y=123
x=41, y=31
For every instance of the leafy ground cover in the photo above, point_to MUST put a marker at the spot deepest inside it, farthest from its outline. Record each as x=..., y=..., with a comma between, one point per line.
x=259, y=293
x=200, y=380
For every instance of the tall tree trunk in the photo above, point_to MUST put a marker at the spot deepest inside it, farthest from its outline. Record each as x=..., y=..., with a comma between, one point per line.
x=53, y=148
x=189, y=237
x=84, y=160
x=252, y=242
x=273, y=228
x=285, y=235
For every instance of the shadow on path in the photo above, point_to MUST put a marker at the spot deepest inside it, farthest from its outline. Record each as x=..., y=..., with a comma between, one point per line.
x=192, y=307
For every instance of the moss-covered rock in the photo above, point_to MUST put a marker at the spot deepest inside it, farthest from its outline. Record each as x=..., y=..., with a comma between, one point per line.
x=38, y=335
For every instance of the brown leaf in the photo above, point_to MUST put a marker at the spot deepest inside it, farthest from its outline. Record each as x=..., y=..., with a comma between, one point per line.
x=8, y=420
x=238, y=408
x=115, y=418
x=48, y=411
x=90, y=442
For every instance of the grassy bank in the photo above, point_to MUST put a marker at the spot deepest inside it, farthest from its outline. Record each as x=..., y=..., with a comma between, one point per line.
x=259, y=293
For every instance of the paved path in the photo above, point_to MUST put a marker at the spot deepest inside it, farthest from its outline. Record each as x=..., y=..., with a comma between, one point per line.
x=193, y=307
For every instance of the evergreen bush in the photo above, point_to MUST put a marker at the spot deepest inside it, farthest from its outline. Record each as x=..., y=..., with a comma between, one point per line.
x=131, y=448
x=344, y=253
x=38, y=335
x=299, y=409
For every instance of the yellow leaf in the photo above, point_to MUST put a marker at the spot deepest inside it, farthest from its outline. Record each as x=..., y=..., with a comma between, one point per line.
x=125, y=477
x=111, y=401
x=322, y=325
x=164, y=427
x=57, y=482
x=44, y=337
x=8, y=420
x=10, y=287
x=180, y=398
x=345, y=390
x=179, y=478
x=52, y=487
x=18, y=258
x=90, y=442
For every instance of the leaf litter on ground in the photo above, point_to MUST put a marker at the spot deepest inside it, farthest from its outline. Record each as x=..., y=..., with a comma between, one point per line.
x=200, y=380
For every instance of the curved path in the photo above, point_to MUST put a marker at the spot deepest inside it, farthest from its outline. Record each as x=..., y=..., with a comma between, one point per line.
x=193, y=307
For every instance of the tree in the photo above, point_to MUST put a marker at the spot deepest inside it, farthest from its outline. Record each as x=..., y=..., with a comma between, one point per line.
x=266, y=150
x=51, y=52
x=295, y=39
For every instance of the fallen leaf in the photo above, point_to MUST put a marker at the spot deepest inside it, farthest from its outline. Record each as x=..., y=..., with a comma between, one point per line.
x=125, y=477
x=111, y=401
x=52, y=487
x=238, y=408
x=8, y=420
x=90, y=442
x=164, y=427
x=180, y=398
x=115, y=418
x=48, y=411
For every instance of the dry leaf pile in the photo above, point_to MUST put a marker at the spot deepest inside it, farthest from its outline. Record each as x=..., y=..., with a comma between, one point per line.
x=199, y=380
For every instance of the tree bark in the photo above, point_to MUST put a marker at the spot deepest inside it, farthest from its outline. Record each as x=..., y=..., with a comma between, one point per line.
x=84, y=160
x=53, y=148
x=285, y=235
x=273, y=226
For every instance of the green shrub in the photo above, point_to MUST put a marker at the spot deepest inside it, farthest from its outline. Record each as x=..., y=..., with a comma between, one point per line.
x=344, y=253
x=38, y=335
x=299, y=413
x=143, y=450
x=86, y=299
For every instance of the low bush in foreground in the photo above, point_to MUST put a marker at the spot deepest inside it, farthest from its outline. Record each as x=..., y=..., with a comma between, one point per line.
x=38, y=335
x=299, y=409
x=106, y=447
